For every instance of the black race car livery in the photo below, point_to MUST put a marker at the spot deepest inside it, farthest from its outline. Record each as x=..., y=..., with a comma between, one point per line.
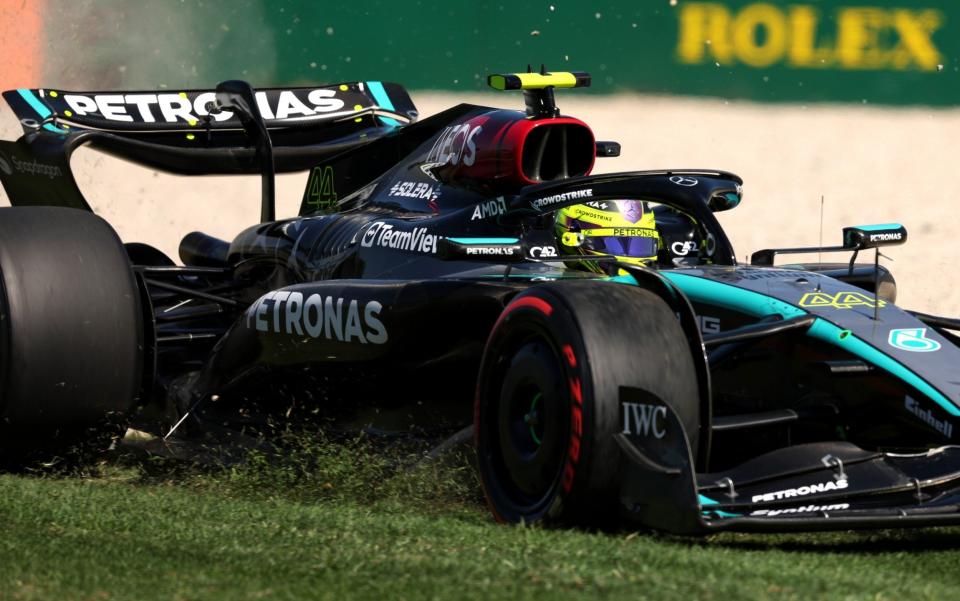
x=424, y=285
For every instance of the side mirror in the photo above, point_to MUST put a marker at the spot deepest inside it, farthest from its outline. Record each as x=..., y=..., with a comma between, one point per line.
x=855, y=238
x=861, y=237
x=723, y=201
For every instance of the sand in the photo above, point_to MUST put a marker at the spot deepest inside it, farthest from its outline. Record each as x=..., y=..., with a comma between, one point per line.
x=871, y=164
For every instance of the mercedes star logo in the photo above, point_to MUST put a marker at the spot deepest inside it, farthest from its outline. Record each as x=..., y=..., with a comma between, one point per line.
x=684, y=181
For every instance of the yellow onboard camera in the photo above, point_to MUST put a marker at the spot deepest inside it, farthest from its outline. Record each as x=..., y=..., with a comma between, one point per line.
x=538, y=88
x=538, y=81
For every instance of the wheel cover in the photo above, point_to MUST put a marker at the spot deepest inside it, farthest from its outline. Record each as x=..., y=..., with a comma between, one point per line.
x=531, y=423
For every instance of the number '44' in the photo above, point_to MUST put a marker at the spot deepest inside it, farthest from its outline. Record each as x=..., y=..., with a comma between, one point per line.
x=320, y=191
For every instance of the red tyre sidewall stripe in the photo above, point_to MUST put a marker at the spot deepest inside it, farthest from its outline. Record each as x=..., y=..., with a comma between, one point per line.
x=527, y=301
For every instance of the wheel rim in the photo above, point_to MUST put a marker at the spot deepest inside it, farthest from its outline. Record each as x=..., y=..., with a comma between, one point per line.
x=531, y=420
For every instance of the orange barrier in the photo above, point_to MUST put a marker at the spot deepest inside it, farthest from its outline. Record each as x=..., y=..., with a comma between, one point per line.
x=21, y=43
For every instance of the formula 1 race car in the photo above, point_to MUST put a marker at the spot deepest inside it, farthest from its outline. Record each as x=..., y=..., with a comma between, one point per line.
x=425, y=283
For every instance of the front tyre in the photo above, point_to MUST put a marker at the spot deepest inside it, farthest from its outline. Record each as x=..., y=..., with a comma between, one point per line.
x=556, y=367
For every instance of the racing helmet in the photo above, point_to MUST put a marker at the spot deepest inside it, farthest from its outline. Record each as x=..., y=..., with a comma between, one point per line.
x=625, y=229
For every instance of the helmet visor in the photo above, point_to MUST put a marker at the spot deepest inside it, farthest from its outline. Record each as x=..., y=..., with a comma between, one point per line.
x=623, y=246
x=641, y=243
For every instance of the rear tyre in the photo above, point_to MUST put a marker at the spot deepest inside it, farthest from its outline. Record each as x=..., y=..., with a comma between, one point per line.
x=71, y=332
x=555, y=370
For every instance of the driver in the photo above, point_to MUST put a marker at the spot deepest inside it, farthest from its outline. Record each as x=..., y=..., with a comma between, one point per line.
x=630, y=230
x=626, y=229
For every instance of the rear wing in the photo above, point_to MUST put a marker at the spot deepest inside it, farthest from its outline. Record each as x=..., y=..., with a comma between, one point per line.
x=184, y=132
x=140, y=114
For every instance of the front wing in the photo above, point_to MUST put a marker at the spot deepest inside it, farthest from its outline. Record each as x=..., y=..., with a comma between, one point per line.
x=807, y=487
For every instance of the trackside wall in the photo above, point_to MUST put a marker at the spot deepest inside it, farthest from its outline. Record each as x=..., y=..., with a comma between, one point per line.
x=862, y=51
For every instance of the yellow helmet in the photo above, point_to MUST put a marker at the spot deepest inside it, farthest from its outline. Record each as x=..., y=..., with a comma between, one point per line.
x=626, y=229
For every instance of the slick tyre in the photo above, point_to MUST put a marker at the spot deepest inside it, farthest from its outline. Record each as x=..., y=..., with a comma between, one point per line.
x=548, y=401
x=71, y=332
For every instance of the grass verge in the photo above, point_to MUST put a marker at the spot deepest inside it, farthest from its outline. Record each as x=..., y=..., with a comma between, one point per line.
x=336, y=521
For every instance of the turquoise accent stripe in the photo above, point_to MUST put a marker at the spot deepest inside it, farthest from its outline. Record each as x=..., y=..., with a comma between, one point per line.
x=34, y=103
x=731, y=297
x=40, y=108
x=382, y=99
x=623, y=279
x=760, y=305
x=527, y=276
x=380, y=95
x=826, y=331
x=707, y=501
x=484, y=240
x=878, y=226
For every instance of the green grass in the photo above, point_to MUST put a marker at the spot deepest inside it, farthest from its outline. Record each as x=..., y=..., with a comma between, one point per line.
x=333, y=522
